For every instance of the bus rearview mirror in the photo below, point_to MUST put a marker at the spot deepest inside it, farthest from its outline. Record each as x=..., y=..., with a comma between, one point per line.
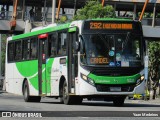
x=77, y=46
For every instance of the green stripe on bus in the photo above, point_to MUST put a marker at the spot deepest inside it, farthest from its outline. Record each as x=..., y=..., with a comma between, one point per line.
x=50, y=29
x=73, y=29
x=114, y=80
x=29, y=70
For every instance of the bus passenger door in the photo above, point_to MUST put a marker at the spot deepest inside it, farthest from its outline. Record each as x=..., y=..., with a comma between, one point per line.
x=72, y=61
x=42, y=43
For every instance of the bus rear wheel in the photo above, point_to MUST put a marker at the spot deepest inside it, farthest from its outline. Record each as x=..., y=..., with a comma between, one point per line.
x=69, y=99
x=27, y=97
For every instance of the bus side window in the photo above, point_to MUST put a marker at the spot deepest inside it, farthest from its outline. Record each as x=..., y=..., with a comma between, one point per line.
x=18, y=51
x=26, y=49
x=33, y=50
x=10, y=52
x=52, y=45
x=62, y=37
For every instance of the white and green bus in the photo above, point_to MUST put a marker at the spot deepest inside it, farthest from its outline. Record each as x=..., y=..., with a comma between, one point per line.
x=98, y=58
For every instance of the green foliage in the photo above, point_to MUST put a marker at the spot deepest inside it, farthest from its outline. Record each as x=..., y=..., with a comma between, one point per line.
x=94, y=9
x=63, y=19
x=146, y=15
x=154, y=54
x=154, y=62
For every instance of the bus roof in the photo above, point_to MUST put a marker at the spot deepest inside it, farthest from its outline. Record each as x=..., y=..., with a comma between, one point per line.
x=43, y=30
x=113, y=19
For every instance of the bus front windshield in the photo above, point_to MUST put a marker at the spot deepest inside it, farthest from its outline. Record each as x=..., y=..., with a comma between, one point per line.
x=116, y=50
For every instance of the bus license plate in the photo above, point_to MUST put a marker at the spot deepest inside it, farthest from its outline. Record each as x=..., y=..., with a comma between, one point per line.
x=115, y=89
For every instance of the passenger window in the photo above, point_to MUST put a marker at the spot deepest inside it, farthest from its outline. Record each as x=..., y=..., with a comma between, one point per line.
x=18, y=50
x=62, y=37
x=52, y=45
x=10, y=52
x=26, y=49
x=33, y=50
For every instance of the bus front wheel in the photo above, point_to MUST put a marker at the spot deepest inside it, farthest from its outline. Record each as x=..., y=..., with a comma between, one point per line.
x=69, y=99
x=27, y=97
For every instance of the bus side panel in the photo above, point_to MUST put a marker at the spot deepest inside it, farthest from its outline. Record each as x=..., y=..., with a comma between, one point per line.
x=28, y=70
x=18, y=80
x=140, y=89
x=89, y=89
x=48, y=71
x=13, y=79
x=58, y=70
x=9, y=78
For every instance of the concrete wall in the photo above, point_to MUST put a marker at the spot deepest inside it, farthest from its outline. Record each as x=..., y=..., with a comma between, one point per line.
x=5, y=25
x=151, y=32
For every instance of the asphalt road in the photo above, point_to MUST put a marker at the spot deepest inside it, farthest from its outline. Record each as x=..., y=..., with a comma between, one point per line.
x=98, y=109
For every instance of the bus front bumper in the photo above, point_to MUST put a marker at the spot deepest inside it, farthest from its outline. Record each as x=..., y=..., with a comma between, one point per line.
x=88, y=89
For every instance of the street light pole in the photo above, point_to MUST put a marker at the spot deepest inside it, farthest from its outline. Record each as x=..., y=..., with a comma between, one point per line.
x=53, y=11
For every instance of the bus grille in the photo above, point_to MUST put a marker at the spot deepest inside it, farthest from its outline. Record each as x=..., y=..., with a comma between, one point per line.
x=106, y=88
x=116, y=71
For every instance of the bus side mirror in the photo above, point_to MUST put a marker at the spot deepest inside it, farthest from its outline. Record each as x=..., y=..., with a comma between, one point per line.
x=77, y=46
x=81, y=44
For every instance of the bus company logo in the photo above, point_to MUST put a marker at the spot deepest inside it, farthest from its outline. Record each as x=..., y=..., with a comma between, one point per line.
x=6, y=114
x=55, y=70
x=116, y=81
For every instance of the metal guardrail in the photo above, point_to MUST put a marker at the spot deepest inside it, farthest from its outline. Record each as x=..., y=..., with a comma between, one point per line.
x=7, y=15
x=148, y=21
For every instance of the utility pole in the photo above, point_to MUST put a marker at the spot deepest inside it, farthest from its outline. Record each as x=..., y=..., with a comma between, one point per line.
x=154, y=15
x=134, y=11
x=75, y=7
x=53, y=11
x=44, y=14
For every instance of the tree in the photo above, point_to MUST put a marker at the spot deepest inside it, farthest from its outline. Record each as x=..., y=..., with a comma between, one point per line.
x=94, y=9
x=154, y=64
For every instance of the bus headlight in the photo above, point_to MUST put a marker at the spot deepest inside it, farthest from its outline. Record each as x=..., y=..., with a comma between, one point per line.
x=140, y=80
x=85, y=78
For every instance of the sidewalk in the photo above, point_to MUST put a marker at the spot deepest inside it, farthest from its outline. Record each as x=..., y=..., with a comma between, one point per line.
x=156, y=101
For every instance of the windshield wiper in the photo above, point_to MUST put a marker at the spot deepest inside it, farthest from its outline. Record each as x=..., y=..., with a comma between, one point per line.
x=100, y=35
x=126, y=40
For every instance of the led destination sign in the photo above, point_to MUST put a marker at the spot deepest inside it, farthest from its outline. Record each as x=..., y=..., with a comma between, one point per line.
x=109, y=27
x=103, y=26
x=98, y=60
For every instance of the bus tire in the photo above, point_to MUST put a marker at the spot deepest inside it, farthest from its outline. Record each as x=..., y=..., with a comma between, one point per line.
x=61, y=94
x=27, y=97
x=119, y=101
x=67, y=99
